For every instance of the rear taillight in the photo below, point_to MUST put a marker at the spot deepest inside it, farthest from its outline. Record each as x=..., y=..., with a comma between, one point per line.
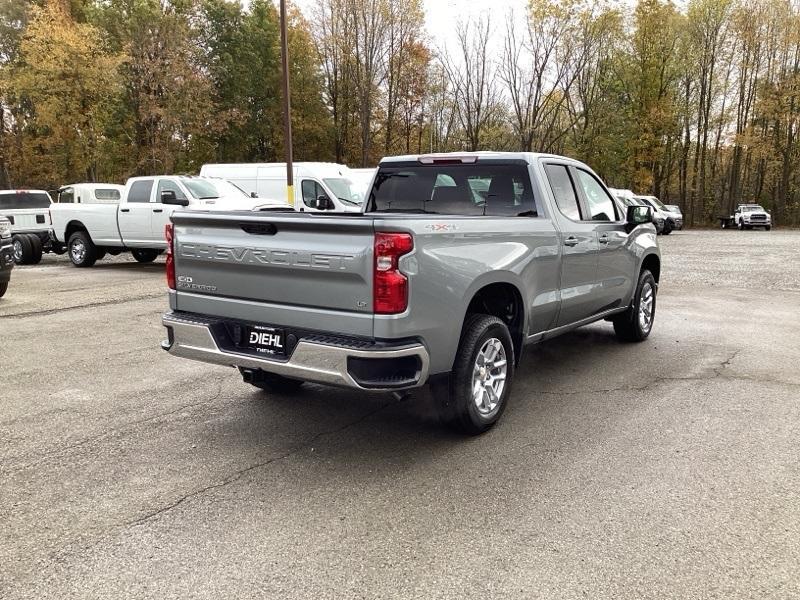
x=169, y=235
x=390, y=285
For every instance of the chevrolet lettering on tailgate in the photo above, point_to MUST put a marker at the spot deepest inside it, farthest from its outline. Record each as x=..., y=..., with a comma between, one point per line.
x=266, y=256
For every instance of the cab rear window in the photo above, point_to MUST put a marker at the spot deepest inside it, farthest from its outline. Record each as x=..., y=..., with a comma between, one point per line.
x=24, y=200
x=454, y=189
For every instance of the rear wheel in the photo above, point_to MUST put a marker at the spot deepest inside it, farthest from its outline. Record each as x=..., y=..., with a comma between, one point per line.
x=636, y=323
x=36, y=249
x=472, y=399
x=144, y=255
x=82, y=251
x=21, y=247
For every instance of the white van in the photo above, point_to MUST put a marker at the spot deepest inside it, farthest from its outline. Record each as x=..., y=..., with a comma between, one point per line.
x=317, y=186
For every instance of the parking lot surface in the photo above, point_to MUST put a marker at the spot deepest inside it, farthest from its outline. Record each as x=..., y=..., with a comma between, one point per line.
x=665, y=469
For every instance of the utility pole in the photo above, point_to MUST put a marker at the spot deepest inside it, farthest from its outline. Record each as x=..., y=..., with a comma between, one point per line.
x=287, y=108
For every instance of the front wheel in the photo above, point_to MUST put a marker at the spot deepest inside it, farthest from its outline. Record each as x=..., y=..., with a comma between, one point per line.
x=82, y=251
x=474, y=396
x=144, y=255
x=741, y=224
x=768, y=227
x=3, y=288
x=668, y=228
x=636, y=323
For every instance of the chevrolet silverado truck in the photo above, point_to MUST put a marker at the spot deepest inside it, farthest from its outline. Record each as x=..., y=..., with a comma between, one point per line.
x=6, y=255
x=455, y=264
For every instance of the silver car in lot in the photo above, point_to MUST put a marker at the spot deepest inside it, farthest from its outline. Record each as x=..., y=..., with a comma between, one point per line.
x=672, y=215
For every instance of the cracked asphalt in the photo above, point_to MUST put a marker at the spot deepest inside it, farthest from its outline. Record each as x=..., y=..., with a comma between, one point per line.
x=669, y=469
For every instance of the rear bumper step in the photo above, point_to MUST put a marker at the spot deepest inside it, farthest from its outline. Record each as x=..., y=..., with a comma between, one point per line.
x=382, y=368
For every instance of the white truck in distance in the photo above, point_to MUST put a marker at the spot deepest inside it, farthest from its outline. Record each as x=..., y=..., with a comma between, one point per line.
x=28, y=213
x=318, y=187
x=136, y=223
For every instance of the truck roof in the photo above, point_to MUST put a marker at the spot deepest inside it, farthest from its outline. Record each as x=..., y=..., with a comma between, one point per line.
x=528, y=157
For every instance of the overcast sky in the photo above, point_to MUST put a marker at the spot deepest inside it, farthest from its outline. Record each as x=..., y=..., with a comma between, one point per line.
x=441, y=15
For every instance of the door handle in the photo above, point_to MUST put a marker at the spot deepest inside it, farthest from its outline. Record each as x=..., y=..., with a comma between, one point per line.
x=124, y=210
x=571, y=241
x=603, y=238
x=158, y=210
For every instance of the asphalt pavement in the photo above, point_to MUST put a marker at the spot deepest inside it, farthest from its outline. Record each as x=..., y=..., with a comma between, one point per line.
x=669, y=469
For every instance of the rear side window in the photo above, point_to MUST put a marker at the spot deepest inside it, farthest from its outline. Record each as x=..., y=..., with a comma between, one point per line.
x=563, y=191
x=140, y=190
x=106, y=194
x=24, y=200
x=454, y=189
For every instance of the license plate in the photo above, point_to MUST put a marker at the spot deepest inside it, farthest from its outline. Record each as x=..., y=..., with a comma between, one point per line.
x=263, y=340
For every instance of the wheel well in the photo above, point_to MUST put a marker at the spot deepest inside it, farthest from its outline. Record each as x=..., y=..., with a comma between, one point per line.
x=652, y=264
x=72, y=227
x=504, y=301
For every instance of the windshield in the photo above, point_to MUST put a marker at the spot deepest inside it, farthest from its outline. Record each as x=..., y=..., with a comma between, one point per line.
x=209, y=189
x=24, y=200
x=656, y=202
x=347, y=190
x=753, y=207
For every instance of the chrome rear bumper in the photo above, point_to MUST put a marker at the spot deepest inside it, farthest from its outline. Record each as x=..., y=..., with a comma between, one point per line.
x=309, y=361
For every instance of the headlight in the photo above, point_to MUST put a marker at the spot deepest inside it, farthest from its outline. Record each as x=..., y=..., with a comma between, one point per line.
x=5, y=229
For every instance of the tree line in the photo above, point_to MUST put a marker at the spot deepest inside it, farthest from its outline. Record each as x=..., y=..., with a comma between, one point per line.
x=698, y=105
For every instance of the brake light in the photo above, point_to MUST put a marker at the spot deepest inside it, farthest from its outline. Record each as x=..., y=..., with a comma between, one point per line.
x=390, y=286
x=169, y=235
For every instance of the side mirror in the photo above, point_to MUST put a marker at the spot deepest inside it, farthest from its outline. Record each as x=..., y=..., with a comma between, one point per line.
x=638, y=215
x=324, y=203
x=253, y=195
x=169, y=197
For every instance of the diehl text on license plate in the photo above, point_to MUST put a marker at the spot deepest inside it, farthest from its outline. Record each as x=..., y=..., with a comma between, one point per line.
x=265, y=340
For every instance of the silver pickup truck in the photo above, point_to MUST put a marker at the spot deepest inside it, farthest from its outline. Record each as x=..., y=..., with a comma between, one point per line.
x=456, y=263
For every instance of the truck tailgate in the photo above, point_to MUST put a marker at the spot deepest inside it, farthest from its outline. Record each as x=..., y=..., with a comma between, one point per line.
x=288, y=269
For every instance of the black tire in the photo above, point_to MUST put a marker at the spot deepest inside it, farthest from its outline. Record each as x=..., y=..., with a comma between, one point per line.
x=768, y=227
x=270, y=382
x=628, y=325
x=3, y=288
x=22, y=249
x=36, y=247
x=82, y=251
x=454, y=395
x=741, y=224
x=144, y=255
x=669, y=226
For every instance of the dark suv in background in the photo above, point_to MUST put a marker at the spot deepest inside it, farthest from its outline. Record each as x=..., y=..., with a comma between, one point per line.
x=6, y=255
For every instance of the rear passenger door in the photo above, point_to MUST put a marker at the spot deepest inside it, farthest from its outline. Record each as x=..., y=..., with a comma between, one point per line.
x=578, y=247
x=615, y=262
x=136, y=212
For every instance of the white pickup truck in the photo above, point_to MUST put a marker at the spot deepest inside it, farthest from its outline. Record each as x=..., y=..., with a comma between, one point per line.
x=136, y=223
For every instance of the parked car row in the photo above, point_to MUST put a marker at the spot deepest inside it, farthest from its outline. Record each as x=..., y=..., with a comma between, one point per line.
x=666, y=218
x=92, y=220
